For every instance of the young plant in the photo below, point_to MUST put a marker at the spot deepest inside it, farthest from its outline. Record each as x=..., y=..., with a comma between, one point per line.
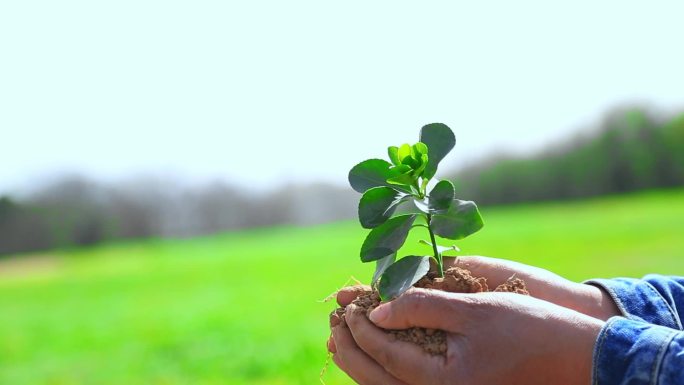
x=385, y=186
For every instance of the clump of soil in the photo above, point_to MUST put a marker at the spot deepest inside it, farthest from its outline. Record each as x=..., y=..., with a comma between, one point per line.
x=513, y=285
x=455, y=280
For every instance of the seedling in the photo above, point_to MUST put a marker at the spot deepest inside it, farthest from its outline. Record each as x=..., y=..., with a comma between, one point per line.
x=385, y=186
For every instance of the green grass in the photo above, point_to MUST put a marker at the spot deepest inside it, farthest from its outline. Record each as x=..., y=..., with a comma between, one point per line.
x=242, y=308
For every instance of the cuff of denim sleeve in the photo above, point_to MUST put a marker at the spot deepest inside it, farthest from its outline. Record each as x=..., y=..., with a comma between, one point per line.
x=638, y=300
x=630, y=352
x=672, y=366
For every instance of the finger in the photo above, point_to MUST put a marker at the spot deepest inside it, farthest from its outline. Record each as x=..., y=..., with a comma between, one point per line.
x=347, y=294
x=405, y=361
x=432, y=309
x=340, y=364
x=331, y=345
x=337, y=359
x=494, y=270
x=357, y=364
x=336, y=317
x=498, y=271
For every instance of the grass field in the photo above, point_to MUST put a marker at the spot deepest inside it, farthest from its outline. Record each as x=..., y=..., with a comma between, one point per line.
x=242, y=308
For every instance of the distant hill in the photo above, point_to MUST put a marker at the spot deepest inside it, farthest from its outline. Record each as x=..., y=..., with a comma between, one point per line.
x=632, y=150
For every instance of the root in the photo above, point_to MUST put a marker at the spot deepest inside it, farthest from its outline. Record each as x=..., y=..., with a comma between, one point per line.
x=334, y=294
x=325, y=368
x=329, y=298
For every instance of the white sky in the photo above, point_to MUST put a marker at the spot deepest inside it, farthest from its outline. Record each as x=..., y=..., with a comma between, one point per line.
x=260, y=93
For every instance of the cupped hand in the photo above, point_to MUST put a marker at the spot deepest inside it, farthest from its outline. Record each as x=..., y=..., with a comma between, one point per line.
x=542, y=284
x=492, y=338
x=347, y=355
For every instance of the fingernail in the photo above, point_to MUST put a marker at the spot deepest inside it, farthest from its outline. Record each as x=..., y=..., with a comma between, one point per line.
x=379, y=314
x=334, y=319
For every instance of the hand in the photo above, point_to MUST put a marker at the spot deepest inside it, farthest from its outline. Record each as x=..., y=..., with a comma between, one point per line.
x=542, y=284
x=349, y=357
x=492, y=338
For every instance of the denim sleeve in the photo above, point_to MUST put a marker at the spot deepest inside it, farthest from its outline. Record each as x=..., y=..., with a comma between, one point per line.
x=630, y=352
x=655, y=299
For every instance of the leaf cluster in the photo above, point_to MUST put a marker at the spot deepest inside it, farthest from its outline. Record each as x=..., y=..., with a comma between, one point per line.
x=388, y=185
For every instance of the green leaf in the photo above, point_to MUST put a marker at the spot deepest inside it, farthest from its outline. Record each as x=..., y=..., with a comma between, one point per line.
x=373, y=173
x=423, y=163
x=369, y=173
x=405, y=179
x=422, y=205
x=401, y=176
x=381, y=265
x=401, y=275
x=440, y=197
x=393, y=152
x=409, y=161
x=438, y=200
x=461, y=220
x=378, y=204
x=439, y=140
x=419, y=149
x=403, y=152
x=414, y=190
x=386, y=238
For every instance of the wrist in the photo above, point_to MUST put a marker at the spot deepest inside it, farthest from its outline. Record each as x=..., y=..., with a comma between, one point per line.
x=587, y=332
x=596, y=302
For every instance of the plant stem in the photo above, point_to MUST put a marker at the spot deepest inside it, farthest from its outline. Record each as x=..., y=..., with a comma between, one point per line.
x=438, y=257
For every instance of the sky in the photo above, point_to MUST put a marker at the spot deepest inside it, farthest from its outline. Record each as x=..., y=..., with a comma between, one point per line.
x=263, y=93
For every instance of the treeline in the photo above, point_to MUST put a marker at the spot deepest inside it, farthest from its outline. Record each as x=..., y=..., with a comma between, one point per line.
x=632, y=149
x=77, y=211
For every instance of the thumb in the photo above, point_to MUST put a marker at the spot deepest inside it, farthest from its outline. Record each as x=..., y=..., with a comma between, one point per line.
x=430, y=309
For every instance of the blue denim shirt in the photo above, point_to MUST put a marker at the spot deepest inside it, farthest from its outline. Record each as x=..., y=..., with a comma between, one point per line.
x=646, y=345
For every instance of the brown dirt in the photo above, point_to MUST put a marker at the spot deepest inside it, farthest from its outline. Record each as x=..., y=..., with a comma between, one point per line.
x=456, y=280
x=513, y=285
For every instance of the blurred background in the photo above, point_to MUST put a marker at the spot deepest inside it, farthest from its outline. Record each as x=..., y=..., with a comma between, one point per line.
x=173, y=194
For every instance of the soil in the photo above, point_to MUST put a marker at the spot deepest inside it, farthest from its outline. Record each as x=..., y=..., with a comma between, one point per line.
x=455, y=280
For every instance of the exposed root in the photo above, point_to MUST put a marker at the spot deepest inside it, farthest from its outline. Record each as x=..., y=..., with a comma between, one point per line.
x=334, y=294
x=329, y=298
x=325, y=368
